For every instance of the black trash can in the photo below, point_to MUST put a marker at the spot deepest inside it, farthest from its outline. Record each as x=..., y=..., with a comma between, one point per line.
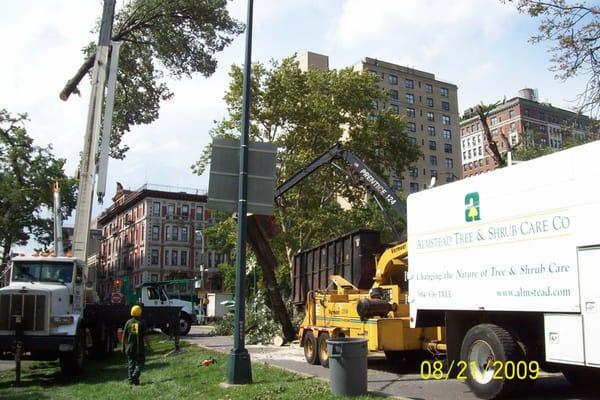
x=348, y=366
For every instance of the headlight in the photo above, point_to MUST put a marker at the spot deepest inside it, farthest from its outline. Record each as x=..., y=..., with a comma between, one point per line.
x=66, y=320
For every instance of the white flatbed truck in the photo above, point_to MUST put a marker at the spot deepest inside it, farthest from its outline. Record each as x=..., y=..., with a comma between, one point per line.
x=509, y=262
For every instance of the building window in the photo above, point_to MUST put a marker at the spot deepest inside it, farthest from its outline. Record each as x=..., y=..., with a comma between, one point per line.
x=156, y=209
x=397, y=184
x=155, y=232
x=431, y=130
x=393, y=79
x=444, y=92
x=428, y=88
x=167, y=259
x=447, y=134
x=433, y=173
x=173, y=257
x=200, y=212
x=395, y=108
x=429, y=102
x=414, y=172
x=513, y=126
x=432, y=145
x=170, y=209
x=449, y=163
x=185, y=211
x=410, y=112
x=184, y=233
x=154, y=257
x=433, y=160
x=414, y=187
x=183, y=258
x=409, y=84
x=445, y=106
x=447, y=148
x=412, y=140
x=174, y=233
x=410, y=98
x=511, y=113
x=446, y=119
x=412, y=127
x=167, y=232
x=493, y=120
x=430, y=116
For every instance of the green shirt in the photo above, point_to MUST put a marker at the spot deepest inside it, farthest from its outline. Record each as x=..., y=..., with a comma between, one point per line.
x=133, y=337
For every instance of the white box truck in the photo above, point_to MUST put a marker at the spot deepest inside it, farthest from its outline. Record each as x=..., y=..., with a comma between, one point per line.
x=215, y=309
x=509, y=262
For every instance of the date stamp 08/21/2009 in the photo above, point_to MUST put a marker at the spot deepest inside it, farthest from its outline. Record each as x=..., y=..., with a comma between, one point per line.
x=499, y=370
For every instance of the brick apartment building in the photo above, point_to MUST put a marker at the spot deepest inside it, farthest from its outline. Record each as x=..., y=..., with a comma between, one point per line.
x=548, y=126
x=154, y=235
x=430, y=107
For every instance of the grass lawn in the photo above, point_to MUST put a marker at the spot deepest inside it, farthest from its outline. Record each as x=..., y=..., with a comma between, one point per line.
x=164, y=377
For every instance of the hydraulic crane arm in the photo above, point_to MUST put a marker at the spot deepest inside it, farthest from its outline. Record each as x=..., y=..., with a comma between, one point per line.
x=374, y=183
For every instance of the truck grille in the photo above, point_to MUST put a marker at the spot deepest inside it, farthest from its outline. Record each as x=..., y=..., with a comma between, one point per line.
x=31, y=308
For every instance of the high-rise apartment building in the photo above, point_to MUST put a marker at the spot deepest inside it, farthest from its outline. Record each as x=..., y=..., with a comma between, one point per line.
x=430, y=108
x=521, y=120
x=155, y=235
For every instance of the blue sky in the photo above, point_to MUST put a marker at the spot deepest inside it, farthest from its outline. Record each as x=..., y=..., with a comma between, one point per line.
x=480, y=45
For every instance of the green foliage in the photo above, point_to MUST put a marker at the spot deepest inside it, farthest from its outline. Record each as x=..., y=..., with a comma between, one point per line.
x=304, y=113
x=260, y=325
x=227, y=272
x=179, y=37
x=27, y=174
x=574, y=29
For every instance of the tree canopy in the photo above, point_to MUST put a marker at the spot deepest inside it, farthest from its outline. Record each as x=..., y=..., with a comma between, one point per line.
x=304, y=113
x=176, y=37
x=27, y=175
x=574, y=30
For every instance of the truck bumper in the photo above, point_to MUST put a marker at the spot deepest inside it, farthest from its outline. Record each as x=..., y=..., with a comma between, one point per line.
x=36, y=344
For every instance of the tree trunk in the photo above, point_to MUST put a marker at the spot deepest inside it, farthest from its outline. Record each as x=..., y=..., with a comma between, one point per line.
x=71, y=85
x=3, y=265
x=266, y=259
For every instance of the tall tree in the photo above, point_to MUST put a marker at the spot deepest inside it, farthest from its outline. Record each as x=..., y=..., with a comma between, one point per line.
x=574, y=29
x=179, y=37
x=27, y=175
x=304, y=113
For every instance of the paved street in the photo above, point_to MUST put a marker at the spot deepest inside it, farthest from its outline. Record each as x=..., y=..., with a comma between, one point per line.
x=384, y=378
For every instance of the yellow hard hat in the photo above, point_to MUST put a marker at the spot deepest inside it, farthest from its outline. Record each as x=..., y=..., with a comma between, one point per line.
x=136, y=311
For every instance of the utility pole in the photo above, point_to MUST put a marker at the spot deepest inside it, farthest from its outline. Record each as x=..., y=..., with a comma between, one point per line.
x=87, y=168
x=239, y=369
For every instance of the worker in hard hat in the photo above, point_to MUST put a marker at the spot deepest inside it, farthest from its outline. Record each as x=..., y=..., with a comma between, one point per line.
x=134, y=337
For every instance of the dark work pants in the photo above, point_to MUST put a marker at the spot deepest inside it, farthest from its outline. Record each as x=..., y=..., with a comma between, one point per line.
x=134, y=368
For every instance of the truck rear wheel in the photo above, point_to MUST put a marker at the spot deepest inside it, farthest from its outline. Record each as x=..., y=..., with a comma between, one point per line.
x=185, y=324
x=323, y=351
x=311, y=348
x=71, y=363
x=486, y=348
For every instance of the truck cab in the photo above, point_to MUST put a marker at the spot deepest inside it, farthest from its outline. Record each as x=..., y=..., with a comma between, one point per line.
x=42, y=307
x=153, y=294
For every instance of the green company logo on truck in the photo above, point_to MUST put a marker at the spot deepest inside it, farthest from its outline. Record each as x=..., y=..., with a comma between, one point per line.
x=472, y=212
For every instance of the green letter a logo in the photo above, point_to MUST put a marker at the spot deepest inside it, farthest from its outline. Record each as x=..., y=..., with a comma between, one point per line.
x=472, y=207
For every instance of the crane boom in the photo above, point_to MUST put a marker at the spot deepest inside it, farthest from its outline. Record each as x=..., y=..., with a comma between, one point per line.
x=373, y=182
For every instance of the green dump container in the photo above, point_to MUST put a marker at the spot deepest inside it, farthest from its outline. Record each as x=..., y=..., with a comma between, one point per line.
x=348, y=366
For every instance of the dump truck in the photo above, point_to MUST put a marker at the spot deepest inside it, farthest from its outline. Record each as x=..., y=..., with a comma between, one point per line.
x=509, y=261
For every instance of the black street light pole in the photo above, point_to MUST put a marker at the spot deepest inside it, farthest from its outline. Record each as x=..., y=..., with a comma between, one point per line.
x=239, y=370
